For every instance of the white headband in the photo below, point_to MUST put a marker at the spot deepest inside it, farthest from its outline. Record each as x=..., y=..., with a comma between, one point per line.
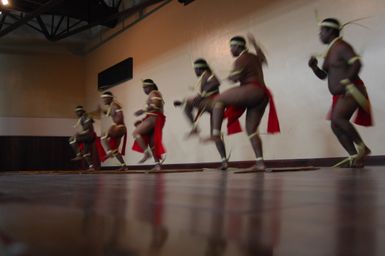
x=200, y=65
x=106, y=96
x=147, y=84
x=79, y=109
x=329, y=25
x=237, y=43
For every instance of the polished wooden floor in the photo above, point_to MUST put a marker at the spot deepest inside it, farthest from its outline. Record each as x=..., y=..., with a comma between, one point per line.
x=211, y=213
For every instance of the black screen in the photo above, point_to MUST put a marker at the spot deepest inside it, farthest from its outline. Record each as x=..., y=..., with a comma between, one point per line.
x=115, y=75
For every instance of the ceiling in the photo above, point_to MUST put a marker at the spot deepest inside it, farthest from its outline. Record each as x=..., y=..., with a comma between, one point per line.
x=66, y=22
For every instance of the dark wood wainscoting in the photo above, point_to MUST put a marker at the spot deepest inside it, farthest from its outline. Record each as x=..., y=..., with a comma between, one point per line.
x=35, y=153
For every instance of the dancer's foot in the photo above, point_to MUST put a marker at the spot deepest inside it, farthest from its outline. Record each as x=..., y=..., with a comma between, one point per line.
x=194, y=132
x=214, y=138
x=347, y=162
x=357, y=163
x=91, y=168
x=224, y=165
x=145, y=157
x=78, y=157
x=259, y=166
x=362, y=152
x=123, y=168
x=156, y=168
x=161, y=161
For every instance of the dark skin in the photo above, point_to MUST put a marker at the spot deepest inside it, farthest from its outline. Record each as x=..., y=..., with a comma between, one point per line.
x=85, y=136
x=336, y=68
x=118, y=129
x=197, y=101
x=117, y=116
x=87, y=126
x=147, y=126
x=246, y=95
x=205, y=104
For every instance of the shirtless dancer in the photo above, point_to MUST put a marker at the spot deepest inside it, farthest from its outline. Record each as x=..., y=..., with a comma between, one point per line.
x=251, y=96
x=341, y=67
x=208, y=86
x=112, y=139
x=83, y=141
x=148, y=131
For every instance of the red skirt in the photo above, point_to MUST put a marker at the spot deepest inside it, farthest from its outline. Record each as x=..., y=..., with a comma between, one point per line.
x=233, y=114
x=156, y=137
x=99, y=148
x=362, y=117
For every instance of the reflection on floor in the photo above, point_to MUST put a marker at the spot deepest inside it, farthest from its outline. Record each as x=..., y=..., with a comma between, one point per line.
x=212, y=213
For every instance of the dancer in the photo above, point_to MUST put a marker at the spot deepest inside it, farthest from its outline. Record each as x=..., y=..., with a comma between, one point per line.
x=252, y=96
x=341, y=67
x=118, y=131
x=148, y=131
x=82, y=142
x=208, y=86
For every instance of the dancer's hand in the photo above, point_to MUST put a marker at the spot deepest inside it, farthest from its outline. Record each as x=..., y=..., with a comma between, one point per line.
x=137, y=123
x=177, y=103
x=252, y=40
x=258, y=50
x=313, y=62
x=139, y=112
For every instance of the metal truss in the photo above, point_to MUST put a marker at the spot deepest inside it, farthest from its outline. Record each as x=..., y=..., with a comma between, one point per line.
x=55, y=19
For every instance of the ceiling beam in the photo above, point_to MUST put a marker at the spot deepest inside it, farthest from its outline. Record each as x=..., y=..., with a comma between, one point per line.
x=43, y=27
x=29, y=16
x=16, y=18
x=122, y=14
x=2, y=21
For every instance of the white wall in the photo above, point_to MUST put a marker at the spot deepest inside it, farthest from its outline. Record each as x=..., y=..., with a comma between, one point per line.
x=164, y=45
x=21, y=126
x=38, y=92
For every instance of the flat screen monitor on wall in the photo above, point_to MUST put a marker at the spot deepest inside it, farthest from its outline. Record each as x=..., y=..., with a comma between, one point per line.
x=115, y=75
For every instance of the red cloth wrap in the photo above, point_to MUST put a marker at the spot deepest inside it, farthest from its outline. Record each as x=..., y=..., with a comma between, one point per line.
x=156, y=136
x=114, y=144
x=99, y=147
x=362, y=117
x=233, y=114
